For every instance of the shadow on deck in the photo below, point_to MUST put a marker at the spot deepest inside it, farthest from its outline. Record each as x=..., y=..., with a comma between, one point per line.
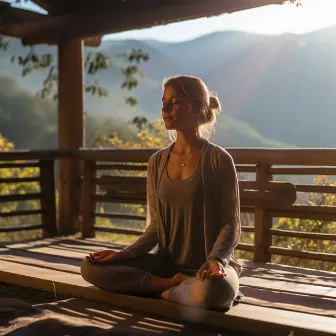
x=278, y=299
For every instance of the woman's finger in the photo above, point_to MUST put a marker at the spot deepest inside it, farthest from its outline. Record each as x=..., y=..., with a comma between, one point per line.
x=101, y=261
x=96, y=255
x=217, y=276
x=89, y=258
x=204, y=274
x=92, y=257
x=200, y=271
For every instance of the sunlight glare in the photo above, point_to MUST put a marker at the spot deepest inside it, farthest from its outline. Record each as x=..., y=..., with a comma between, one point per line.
x=288, y=18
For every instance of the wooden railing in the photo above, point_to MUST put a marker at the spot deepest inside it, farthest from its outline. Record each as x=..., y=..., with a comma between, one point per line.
x=43, y=165
x=257, y=168
x=261, y=166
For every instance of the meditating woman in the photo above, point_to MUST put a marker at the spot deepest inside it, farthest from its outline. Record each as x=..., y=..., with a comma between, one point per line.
x=193, y=216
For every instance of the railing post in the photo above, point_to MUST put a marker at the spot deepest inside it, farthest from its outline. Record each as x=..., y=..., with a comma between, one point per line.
x=70, y=131
x=48, y=201
x=88, y=201
x=262, y=222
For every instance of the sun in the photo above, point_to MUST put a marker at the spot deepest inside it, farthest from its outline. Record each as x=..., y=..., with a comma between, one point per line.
x=310, y=16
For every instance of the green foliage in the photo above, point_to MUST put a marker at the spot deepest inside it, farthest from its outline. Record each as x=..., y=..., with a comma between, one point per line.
x=149, y=136
x=94, y=63
x=3, y=43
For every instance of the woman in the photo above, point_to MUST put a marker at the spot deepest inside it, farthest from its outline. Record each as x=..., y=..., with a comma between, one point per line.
x=193, y=215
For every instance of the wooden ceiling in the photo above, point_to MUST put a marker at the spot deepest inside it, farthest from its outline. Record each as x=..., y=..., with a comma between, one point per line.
x=88, y=18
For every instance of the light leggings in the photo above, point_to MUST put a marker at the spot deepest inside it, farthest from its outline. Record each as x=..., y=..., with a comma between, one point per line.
x=133, y=277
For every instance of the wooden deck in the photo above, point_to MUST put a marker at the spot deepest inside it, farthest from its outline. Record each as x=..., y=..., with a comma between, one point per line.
x=279, y=300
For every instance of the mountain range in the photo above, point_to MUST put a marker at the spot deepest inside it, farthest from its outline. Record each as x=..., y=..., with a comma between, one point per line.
x=276, y=91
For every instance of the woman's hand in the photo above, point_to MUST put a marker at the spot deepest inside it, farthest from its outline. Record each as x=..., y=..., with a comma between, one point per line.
x=108, y=256
x=212, y=269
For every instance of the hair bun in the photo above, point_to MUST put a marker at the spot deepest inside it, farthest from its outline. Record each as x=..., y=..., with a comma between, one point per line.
x=213, y=109
x=215, y=105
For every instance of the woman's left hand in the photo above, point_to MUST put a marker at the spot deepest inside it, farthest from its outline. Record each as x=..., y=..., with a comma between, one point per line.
x=212, y=269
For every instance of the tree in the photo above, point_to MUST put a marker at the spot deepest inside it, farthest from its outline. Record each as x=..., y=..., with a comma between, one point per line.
x=94, y=62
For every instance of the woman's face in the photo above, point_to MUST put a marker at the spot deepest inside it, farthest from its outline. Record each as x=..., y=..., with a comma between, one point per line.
x=177, y=112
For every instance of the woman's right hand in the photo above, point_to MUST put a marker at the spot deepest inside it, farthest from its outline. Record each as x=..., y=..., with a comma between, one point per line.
x=108, y=256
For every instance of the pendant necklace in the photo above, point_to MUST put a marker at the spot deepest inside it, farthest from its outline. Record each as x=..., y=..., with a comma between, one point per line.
x=183, y=162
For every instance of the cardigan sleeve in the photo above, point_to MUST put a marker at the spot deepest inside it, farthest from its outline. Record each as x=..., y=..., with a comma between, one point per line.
x=229, y=210
x=149, y=239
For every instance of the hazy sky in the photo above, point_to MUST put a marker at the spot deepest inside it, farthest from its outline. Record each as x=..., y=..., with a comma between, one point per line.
x=312, y=15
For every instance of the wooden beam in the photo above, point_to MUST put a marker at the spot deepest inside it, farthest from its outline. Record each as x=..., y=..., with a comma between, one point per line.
x=70, y=130
x=112, y=17
x=16, y=17
x=46, y=5
x=12, y=18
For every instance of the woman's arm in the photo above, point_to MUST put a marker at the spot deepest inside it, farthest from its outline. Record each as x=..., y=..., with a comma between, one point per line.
x=149, y=238
x=229, y=210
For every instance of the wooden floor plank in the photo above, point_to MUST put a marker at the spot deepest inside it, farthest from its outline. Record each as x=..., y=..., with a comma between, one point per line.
x=106, y=314
x=41, y=260
x=271, y=274
x=50, y=250
x=53, y=258
x=258, y=320
x=289, y=287
x=289, y=301
x=249, y=264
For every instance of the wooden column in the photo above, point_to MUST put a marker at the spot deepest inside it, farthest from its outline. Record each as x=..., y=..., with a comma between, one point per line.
x=48, y=202
x=88, y=200
x=70, y=130
x=262, y=221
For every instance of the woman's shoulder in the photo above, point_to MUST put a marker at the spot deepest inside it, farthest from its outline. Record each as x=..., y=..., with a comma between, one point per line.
x=219, y=153
x=155, y=159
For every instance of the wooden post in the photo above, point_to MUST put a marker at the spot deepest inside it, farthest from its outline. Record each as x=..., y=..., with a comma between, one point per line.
x=70, y=130
x=48, y=201
x=262, y=222
x=88, y=202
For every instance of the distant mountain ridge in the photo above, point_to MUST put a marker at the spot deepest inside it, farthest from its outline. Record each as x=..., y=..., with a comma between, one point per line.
x=276, y=91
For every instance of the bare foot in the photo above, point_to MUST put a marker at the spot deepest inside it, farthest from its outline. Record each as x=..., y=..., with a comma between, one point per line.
x=178, y=278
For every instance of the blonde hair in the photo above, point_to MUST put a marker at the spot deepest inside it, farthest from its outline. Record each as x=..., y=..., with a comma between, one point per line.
x=207, y=103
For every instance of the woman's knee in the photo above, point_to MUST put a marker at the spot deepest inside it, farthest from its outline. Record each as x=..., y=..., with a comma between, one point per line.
x=87, y=270
x=217, y=293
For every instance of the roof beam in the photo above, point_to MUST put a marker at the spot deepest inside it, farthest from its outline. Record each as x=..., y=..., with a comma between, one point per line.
x=45, y=5
x=14, y=19
x=111, y=18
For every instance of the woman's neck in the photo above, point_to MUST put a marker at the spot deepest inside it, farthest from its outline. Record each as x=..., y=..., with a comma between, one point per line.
x=186, y=143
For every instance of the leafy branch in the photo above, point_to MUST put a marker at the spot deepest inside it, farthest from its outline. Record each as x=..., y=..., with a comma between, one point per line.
x=94, y=63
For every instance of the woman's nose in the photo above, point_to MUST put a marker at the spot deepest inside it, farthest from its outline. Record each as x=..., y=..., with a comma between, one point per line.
x=166, y=108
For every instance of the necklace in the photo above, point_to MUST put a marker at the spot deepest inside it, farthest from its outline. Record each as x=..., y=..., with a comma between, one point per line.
x=183, y=161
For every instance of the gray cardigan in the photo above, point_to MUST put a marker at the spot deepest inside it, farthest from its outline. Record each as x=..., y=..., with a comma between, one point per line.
x=221, y=219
